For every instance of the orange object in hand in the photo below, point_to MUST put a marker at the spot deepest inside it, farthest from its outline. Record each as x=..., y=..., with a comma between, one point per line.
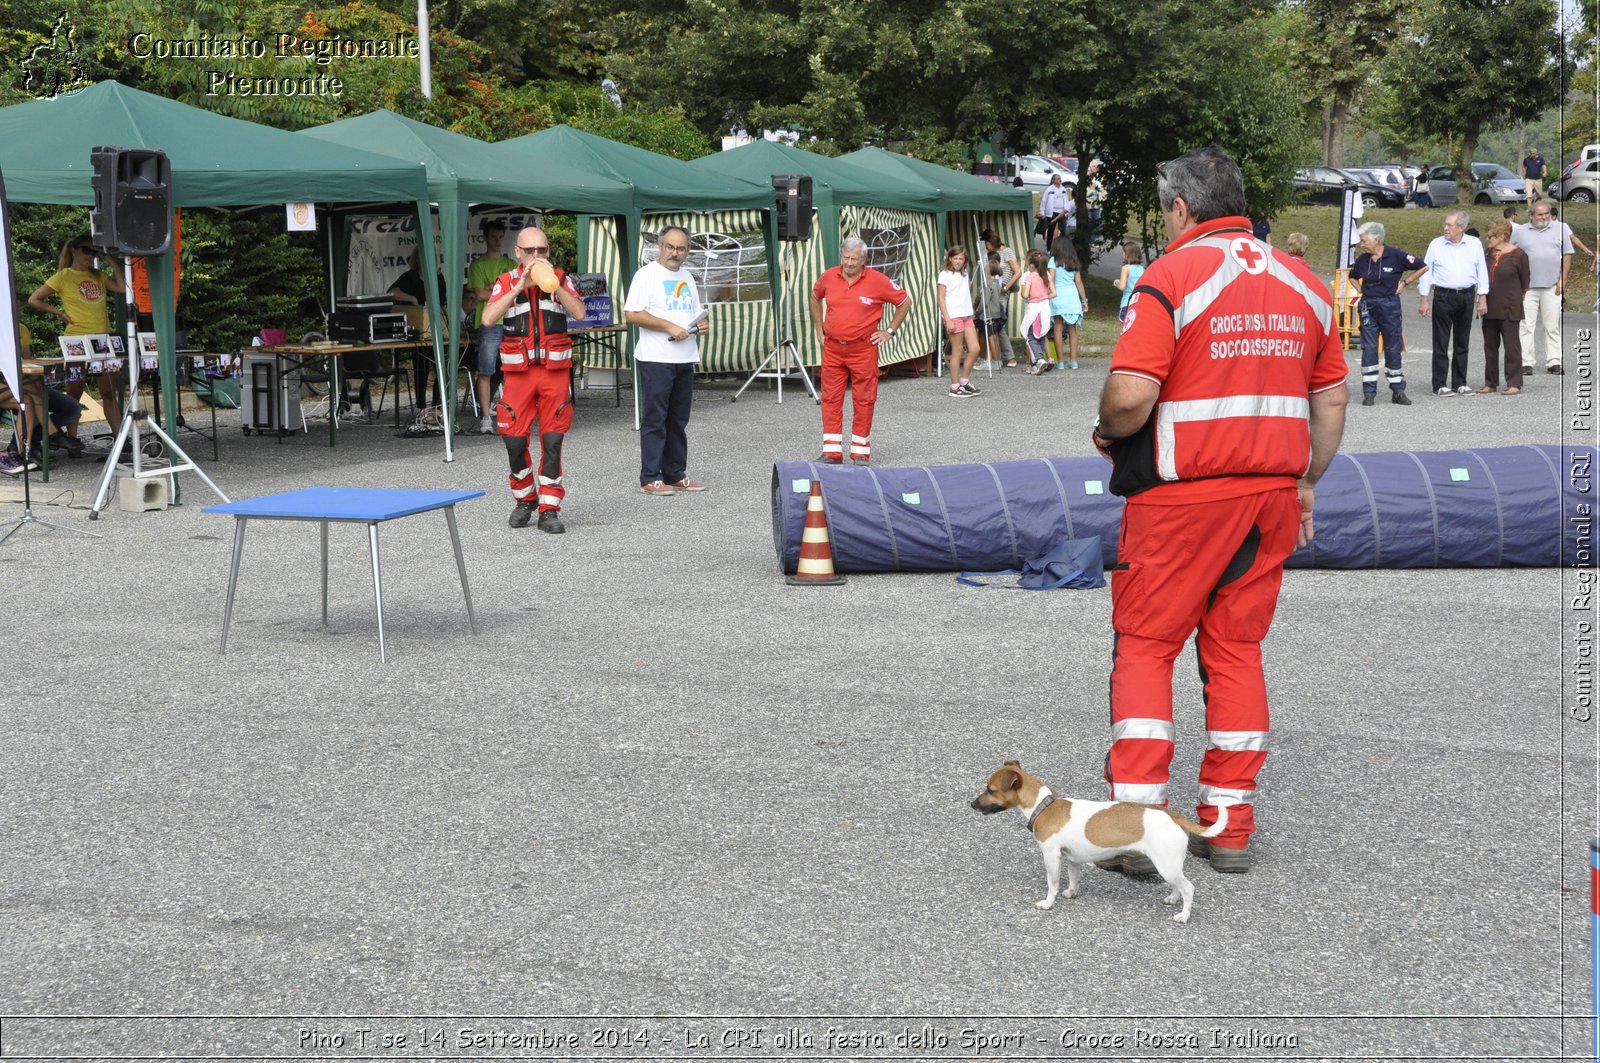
x=544, y=276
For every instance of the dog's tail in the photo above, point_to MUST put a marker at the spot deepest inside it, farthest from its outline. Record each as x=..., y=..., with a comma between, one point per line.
x=1203, y=832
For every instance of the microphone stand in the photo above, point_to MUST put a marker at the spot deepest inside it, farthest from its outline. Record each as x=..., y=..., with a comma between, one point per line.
x=27, y=486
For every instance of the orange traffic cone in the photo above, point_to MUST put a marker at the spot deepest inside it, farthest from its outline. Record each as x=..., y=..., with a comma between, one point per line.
x=816, y=549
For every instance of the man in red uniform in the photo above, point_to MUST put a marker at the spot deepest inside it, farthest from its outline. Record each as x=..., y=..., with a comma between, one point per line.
x=850, y=335
x=536, y=357
x=1224, y=406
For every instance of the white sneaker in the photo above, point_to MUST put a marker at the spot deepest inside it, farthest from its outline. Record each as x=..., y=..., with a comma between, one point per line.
x=1444, y=393
x=1463, y=390
x=486, y=426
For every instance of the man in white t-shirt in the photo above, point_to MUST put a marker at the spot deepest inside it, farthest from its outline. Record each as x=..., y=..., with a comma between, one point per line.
x=665, y=305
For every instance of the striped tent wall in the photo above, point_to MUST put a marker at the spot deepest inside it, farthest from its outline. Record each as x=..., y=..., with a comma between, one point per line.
x=602, y=253
x=1016, y=232
x=919, y=336
x=742, y=331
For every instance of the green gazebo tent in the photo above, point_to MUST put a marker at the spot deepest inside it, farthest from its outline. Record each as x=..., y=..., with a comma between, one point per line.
x=217, y=161
x=663, y=187
x=986, y=204
x=463, y=171
x=847, y=200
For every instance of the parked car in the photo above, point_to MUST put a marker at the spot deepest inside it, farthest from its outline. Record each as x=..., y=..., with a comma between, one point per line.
x=1388, y=176
x=1327, y=184
x=1036, y=170
x=1491, y=183
x=1407, y=171
x=1580, y=184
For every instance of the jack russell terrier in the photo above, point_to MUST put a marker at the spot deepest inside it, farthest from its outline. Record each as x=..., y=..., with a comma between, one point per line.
x=1087, y=831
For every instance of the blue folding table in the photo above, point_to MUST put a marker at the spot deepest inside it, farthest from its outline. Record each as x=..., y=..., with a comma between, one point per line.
x=347, y=505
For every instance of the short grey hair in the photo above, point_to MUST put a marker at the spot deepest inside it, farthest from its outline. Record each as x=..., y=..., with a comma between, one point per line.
x=853, y=243
x=1208, y=180
x=1462, y=218
x=1373, y=229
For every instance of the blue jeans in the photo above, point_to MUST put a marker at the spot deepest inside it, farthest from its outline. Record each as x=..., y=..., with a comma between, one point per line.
x=64, y=409
x=489, y=337
x=666, y=393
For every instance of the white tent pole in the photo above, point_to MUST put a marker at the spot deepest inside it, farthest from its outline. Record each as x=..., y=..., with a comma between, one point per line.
x=424, y=43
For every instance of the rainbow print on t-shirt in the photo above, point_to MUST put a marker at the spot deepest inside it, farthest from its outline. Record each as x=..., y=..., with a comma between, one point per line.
x=678, y=294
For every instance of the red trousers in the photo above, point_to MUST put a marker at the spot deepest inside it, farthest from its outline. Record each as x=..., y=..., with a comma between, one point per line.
x=853, y=365
x=542, y=395
x=1212, y=569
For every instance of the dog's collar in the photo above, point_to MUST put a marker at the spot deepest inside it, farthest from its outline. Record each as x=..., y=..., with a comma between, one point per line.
x=1044, y=802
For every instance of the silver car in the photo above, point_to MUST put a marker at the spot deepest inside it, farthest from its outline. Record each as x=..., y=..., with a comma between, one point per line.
x=1579, y=184
x=1491, y=183
x=1036, y=171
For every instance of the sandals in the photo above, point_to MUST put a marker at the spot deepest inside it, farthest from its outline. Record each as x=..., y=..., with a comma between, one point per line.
x=1487, y=389
x=1513, y=391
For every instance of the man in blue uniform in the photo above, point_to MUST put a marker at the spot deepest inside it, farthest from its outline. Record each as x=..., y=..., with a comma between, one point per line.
x=1379, y=274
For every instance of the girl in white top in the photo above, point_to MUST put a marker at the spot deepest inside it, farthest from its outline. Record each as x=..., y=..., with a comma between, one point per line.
x=955, y=308
x=1038, y=288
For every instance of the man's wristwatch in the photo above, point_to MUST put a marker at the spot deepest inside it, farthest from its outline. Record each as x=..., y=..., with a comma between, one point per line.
x=889, y=329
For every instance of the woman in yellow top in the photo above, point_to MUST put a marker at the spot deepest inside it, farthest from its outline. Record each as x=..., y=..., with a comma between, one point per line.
x=82, y=289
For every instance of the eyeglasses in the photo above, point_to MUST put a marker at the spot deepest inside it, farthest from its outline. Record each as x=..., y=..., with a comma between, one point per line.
x=541, y=249
x=87, y=249
x=680, y=248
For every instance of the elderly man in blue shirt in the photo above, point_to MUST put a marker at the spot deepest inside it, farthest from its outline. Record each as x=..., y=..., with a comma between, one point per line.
x=1379, y=273
x=1455, y=286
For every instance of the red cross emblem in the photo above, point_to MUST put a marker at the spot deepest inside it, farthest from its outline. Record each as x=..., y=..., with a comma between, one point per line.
x=1251, y=258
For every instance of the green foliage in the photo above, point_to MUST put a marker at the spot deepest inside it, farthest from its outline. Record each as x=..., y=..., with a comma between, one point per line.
x=666, y=131
x=243, y=273
x=1467, y=67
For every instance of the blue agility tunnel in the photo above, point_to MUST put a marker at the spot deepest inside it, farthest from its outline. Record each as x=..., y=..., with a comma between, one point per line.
x=1528, y=506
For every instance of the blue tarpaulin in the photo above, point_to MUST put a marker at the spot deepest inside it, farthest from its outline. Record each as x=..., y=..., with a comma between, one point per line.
x=1521, y=506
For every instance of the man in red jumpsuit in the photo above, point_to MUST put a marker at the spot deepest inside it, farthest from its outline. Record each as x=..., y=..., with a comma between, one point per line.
x=1224, y=406
x=850, y=335
x=536, y=357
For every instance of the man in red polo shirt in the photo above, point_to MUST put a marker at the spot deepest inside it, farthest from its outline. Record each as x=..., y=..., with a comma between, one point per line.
x=1224, y=406
x=850, y=335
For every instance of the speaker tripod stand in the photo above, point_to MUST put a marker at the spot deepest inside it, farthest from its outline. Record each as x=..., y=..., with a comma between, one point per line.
x=132, y=420
x=786, y=355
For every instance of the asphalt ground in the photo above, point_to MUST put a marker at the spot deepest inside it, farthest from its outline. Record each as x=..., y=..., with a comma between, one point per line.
x=667, y=796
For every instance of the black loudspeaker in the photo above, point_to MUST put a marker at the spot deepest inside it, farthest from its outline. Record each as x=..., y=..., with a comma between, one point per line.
x=132, y=212
x=793, y=205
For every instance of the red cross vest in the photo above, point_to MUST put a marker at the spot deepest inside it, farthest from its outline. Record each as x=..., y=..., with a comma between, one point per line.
x=536, y=332
x=1238, y=337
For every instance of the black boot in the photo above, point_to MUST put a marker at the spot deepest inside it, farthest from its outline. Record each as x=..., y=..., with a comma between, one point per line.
x=521, y=515
x=550, y=521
